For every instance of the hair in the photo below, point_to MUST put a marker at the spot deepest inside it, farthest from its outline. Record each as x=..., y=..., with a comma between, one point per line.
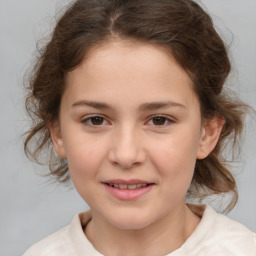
x=183, y=28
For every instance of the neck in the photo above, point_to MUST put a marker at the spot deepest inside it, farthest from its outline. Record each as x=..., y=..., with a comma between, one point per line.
x=159, y=238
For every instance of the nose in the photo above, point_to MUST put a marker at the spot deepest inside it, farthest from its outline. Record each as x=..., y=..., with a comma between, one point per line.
x=127, y=149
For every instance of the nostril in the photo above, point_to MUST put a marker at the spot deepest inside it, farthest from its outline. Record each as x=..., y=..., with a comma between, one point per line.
x=126, y=165
x=126, y=155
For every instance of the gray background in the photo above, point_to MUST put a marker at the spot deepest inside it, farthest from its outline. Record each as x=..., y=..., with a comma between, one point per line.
x=31, y=208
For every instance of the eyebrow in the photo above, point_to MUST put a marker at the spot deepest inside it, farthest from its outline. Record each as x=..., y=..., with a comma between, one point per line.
x=142, y=108
x=160, y=105
x=94, y=104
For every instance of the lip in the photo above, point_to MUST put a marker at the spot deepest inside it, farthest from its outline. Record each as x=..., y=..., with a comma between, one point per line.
x=127, y=182
x=128, y=194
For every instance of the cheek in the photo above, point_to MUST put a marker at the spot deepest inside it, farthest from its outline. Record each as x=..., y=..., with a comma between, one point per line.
x=84, y=158
x=84, y=162
x=175, y=159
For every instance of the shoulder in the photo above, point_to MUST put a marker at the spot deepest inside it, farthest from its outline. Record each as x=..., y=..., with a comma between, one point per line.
x=219, y=235
x=233, y=236
x=69, y=241
x=58, y=243
x=64, y=242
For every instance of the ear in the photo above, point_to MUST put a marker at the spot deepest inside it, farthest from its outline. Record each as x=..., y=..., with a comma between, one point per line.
x=210, y=134
x=57, y=139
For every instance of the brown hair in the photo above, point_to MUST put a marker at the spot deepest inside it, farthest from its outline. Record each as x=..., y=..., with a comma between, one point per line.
x=183, y=28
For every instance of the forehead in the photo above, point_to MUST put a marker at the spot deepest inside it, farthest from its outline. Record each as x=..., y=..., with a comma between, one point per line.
x=125, y=67
x=130, y=56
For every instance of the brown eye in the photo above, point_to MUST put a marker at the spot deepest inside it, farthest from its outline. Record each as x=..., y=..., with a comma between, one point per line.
x=94, y=121
x=159, y=120
x=97, y=120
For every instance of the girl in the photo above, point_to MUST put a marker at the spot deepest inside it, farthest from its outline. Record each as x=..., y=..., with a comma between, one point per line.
x=130, y=95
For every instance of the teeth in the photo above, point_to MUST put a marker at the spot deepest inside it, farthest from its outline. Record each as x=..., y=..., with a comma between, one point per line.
x=134, y=186
x=125, y=186
x=141, y=185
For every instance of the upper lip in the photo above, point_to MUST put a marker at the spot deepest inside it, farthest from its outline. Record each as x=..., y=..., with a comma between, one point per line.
x=127, y=182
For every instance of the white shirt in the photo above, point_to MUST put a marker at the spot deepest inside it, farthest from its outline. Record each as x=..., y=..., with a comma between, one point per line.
x=216, y=235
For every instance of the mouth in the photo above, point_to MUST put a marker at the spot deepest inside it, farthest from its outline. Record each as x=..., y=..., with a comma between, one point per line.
x=128, y=190
x=126, y=186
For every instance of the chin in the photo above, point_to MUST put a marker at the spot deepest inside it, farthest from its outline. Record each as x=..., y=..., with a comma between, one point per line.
x=130, y=226
x=130, y=222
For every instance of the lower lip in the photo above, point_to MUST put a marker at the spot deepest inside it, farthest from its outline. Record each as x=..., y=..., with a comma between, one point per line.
x=128, y=194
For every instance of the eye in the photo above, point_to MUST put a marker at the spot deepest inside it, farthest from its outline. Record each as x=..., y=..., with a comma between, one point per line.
x=160, y=121
x=94, y=121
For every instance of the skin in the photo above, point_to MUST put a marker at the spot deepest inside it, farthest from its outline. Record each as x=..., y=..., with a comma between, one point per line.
x=127, y=142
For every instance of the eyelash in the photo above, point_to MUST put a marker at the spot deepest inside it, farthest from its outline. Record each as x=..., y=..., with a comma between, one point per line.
x=89, y=119
x=166, y=120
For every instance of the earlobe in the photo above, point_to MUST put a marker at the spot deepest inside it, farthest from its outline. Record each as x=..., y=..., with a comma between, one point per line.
x=57, y=139
x=210, y=134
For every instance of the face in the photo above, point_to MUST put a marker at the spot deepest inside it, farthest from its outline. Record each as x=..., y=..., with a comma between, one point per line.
x=130, y=128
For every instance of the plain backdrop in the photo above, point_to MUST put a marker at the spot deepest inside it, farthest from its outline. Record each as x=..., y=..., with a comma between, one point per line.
x=31, y=207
